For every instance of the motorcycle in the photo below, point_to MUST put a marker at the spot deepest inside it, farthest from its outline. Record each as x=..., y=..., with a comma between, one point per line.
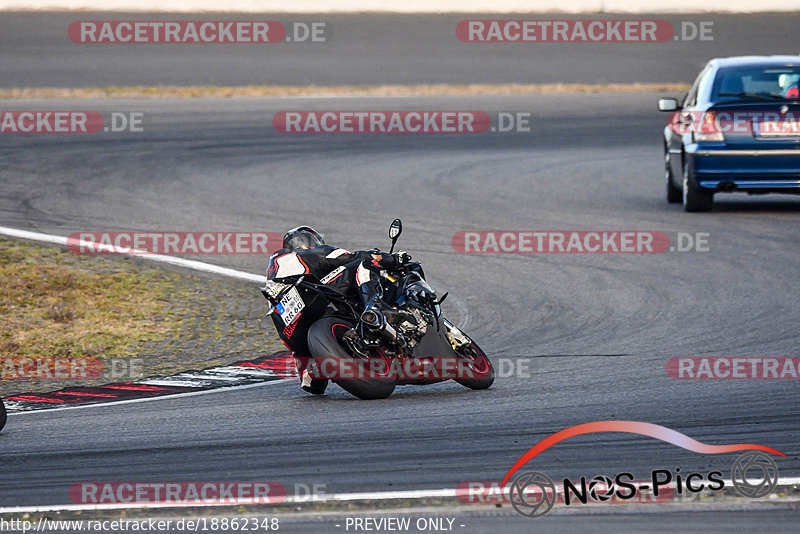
x=369, y=353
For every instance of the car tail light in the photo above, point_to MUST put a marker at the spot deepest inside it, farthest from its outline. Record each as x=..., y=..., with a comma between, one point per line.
x=708, y=130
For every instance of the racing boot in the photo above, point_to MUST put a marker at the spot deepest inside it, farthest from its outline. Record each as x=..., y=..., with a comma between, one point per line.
x=306, y=369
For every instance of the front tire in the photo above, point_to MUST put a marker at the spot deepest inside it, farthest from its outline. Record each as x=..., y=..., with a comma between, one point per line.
x=477, y=369
x=694, y=200
x=334, y=359
x=3, y=416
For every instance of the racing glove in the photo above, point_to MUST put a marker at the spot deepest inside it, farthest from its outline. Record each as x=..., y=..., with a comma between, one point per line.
x=402, y=257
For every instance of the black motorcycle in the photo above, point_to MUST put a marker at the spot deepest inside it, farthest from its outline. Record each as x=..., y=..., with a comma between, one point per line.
x=369, y=353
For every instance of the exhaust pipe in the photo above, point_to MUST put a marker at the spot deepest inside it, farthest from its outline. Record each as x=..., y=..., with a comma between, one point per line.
x=376, y=322
x=727, y=187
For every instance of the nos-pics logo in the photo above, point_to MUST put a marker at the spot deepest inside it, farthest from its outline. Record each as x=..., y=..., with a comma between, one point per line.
x=533, y=494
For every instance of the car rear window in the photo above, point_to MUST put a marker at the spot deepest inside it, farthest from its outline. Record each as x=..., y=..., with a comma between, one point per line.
x=779, y=81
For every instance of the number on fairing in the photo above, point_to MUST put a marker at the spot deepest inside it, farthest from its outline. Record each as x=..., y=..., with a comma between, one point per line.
x=290, y=306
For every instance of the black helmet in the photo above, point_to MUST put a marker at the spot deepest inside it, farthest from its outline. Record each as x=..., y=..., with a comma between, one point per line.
x=301, y=238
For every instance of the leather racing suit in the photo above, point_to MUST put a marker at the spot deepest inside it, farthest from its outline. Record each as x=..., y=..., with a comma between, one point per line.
x=349, y=273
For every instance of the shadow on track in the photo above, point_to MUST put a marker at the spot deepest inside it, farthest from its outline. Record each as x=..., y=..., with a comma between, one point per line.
x=758, y=206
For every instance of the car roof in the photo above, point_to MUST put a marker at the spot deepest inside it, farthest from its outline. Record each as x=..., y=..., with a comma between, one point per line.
x=742, y=61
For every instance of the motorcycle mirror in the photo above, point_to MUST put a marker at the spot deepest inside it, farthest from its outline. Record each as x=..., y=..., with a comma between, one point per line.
x=395, y=230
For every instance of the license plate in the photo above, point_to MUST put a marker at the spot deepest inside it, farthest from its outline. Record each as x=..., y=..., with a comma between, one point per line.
x=788, y=128
x=290, y=306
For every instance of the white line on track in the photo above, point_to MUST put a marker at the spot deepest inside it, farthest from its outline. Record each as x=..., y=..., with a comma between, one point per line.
x=333, y=497
x=380, y=495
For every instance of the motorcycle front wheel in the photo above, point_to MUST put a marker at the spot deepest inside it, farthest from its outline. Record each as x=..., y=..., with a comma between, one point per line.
x=475, y=371
x=2, y=415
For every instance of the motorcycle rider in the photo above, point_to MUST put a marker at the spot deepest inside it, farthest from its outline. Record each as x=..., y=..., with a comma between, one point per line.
x=305, y=252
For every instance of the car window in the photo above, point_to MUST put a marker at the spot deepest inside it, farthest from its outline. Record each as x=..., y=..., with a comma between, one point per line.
x=779, y=81
x=691, y=96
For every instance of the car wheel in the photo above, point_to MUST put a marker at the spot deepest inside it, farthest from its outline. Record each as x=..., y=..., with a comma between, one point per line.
x=693, y=199
x=674, y=194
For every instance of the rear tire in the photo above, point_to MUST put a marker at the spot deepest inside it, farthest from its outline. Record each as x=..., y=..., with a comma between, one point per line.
x=478, y=366
x=694, y=200
x=674, y=194
x=3, y=416
x=324, y=342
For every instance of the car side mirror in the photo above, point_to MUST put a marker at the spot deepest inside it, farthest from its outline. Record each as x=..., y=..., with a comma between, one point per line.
x=395, y=230
x=667, y=104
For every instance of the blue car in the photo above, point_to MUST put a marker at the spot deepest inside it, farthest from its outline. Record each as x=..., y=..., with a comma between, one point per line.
x=738, y=129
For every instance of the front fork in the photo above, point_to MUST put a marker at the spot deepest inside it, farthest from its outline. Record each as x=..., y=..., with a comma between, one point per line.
x=457, y=337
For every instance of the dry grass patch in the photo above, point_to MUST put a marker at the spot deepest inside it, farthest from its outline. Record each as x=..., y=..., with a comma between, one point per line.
x=54, y=304
x=348, y=90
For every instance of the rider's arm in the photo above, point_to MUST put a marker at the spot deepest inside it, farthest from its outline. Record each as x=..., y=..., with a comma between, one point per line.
x=338, y=257
x=284, y=264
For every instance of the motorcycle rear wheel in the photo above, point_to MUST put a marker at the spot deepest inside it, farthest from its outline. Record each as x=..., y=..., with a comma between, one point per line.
x=329, y=350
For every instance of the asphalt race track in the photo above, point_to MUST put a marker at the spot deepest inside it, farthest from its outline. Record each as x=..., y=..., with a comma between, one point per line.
x=597, y=329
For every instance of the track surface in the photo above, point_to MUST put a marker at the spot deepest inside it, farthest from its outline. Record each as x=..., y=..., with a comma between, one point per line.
x=666, y=522
x=599, y=328
x=370, y=49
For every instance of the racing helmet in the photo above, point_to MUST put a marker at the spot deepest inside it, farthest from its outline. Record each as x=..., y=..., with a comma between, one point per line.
x=302, y=237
